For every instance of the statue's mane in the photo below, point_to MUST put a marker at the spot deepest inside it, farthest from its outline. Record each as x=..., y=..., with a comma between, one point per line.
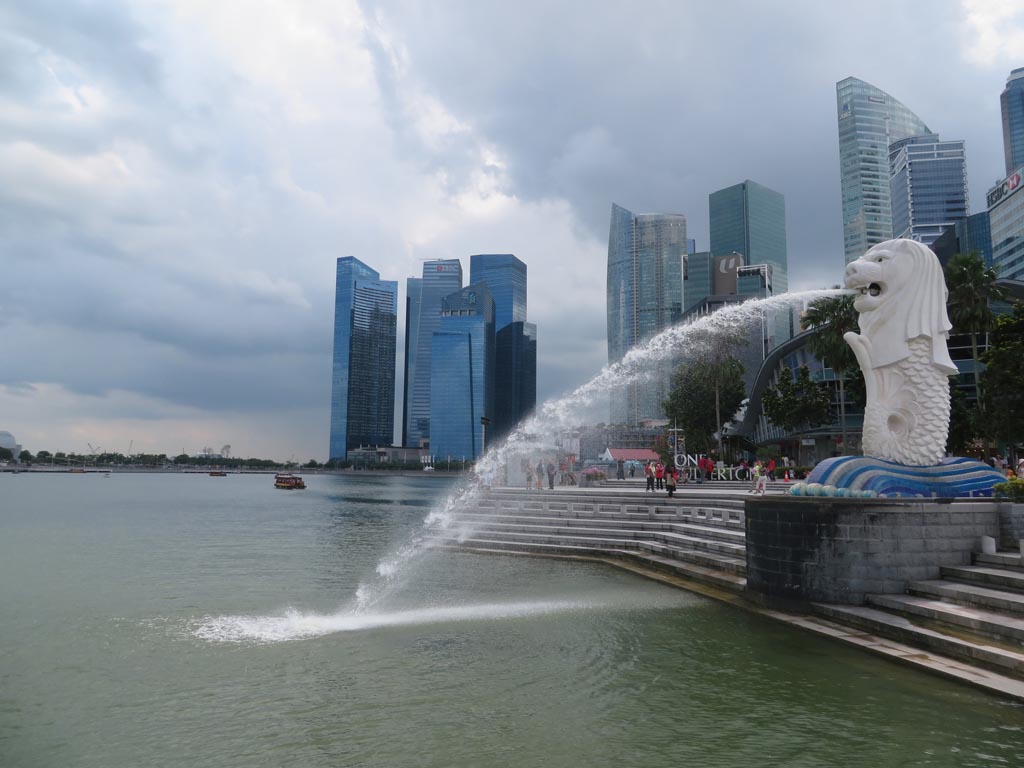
x=913, y=307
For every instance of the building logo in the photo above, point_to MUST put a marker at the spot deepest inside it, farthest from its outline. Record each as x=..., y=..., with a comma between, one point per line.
x=1010, y=183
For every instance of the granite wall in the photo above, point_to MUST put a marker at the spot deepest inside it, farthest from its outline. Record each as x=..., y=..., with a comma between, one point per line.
x=839, y=550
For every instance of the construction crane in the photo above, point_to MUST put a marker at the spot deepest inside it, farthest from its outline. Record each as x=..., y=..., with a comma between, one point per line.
x=94, y=451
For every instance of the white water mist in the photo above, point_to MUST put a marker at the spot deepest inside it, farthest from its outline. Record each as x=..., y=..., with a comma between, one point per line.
x=687, y=341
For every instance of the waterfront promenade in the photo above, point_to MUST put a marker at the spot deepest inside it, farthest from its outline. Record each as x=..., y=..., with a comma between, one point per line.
x=966, y=623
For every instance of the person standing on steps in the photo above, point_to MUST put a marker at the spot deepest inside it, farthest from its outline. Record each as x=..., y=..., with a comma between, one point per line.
x=529, y=476
x=670, y=481
x=540, y=475
x=659, y=475
x=551, y=475
x=649, y=473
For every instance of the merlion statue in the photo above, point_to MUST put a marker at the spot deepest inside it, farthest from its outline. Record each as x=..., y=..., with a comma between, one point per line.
x=902, y=351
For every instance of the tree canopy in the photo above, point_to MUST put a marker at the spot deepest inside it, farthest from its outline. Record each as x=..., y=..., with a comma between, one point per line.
x=797, y=401
x=691, y=403
x=1003, y=377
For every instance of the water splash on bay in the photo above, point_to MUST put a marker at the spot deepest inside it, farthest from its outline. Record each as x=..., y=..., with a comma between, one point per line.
x=681, y=343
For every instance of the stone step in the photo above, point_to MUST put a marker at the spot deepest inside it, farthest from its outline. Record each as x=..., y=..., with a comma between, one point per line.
x=996, y=625
x=552, y=505
x=694, y=572
x=621, y=518
x=974, y=595
x=610, y=527
x=672, y=540
x=975, y=650
x=983, y=574
x=1010, y=560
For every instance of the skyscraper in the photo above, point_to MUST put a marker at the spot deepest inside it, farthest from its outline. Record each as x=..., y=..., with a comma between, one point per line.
x=440, y=278
x=505, y=276
x=413, y=295
x=515, y=374
x=1011, y=102
x=644, y=295
x=928, y=186
x=363, y=374
x=462, y=374
x=869, y=121
x=750, y=219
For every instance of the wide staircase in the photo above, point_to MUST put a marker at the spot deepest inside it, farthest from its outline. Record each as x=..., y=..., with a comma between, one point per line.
x=974, y=613
x=697, y=537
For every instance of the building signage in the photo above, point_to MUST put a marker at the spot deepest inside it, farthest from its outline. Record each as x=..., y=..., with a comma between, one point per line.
x=1010, y=183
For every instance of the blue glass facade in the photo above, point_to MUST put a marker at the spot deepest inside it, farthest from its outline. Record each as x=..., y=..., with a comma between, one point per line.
x=928, y=186
x=462, y=374
x=515, y=375
x=644, y=297
x=413, y=296
x=505, y=276
x=515, y=357
x=869, y=121
x=440, y=278
x=363, y=370
x=975, y=234
x=1006, y=218
x=750, y=219
x=1011, y=102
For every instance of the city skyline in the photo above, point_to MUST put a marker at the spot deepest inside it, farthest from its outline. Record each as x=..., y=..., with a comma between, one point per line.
x=179, y=181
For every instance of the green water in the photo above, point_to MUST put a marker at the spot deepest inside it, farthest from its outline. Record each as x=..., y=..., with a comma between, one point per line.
x=185, y=620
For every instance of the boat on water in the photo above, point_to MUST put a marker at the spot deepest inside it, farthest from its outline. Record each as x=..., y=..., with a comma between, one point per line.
x=218, y=473
x=289, y=482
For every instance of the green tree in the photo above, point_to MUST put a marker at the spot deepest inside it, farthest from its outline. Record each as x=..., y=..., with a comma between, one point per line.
x=972, y=289
x=182, y=458
x=6, y=454
x=796, y=402
x=25, y=456
x=1003, y=378
x=701, y=392
x=832, y=317
x=963, y=422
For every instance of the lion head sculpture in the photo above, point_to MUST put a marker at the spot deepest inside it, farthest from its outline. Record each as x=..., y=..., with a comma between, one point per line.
x=902, y=297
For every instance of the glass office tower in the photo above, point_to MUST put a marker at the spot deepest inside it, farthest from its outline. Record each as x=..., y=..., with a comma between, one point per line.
x=440, y=278
x=869, y=121
x=363, y=373
x=515, y=374
x=413, y=296
x=750, y=219
x=1011, y=102
x=1006, y=219
x=644, y=297
x=505, y=276
x=462, y=375
x=928, y=186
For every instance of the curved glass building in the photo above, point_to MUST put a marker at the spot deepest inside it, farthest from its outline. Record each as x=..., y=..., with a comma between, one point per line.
x=1011, y=104
x=869, y=121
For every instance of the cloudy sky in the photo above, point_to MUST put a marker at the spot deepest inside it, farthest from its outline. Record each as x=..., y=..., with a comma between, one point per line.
x=177, y=178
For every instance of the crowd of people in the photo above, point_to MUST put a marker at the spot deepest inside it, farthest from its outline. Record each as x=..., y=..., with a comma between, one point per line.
x=1007, y=467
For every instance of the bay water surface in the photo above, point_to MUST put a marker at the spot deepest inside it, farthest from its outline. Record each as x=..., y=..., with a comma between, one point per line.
x=188, y=620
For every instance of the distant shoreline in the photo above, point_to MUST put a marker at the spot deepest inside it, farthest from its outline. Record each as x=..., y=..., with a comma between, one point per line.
x=124, y=470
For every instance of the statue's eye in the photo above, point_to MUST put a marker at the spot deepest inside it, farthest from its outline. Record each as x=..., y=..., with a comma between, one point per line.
x=879, y=259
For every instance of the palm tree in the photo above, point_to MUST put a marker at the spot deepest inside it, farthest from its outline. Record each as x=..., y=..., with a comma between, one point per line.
x=832, y=317
x=972, y=289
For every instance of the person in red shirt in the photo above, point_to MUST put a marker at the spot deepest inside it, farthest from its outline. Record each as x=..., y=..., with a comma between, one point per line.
x=649, y=472
x=659, y=475
x=771, y=469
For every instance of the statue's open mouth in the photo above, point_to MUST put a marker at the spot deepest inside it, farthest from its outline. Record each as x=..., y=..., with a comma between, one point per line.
x=874, y=289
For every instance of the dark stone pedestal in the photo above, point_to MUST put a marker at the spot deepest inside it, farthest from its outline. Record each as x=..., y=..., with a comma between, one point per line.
x=838, y=550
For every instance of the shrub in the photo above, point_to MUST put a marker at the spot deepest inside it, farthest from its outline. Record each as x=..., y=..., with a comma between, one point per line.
x=594, y=474
x=1011, y=489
